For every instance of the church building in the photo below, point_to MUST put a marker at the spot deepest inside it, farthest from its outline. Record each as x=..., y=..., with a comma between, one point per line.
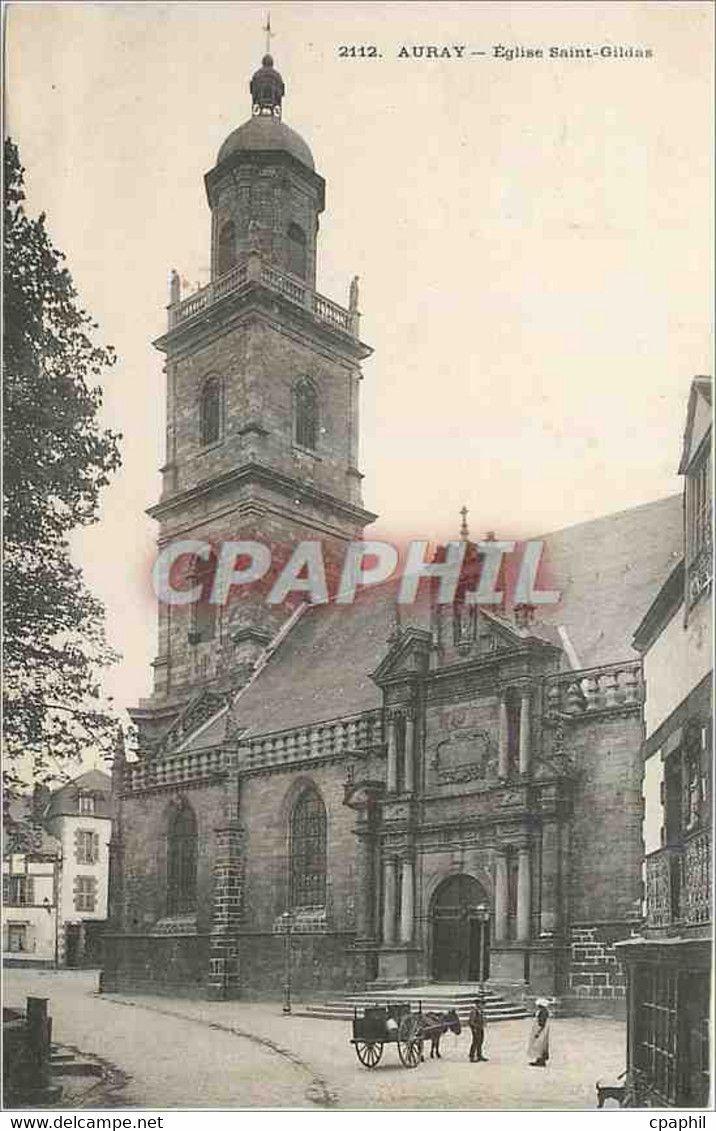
x=445, y=793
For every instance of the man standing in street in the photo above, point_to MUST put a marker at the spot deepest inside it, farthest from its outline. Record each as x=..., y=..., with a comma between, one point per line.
x=476, y=1021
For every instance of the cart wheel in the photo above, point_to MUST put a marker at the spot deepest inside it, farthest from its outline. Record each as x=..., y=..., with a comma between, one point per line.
x=369, y=1053
x=409, y=1053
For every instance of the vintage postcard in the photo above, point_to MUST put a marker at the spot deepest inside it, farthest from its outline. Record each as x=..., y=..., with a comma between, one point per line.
x=358, y=648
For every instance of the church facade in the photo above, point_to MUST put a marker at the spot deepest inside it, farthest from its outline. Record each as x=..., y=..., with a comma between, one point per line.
x=446, y=792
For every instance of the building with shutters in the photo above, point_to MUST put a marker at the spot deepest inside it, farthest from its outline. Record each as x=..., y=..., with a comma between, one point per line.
x=31, y=866
x=669, y=963
x=442, y=792
x=79, y=816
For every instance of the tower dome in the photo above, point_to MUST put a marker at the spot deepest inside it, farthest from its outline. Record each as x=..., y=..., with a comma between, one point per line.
x=265, y=130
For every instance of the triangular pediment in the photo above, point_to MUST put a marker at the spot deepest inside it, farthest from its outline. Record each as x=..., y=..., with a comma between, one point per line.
x=497, y=634
x=197, y=715
x=408, y=655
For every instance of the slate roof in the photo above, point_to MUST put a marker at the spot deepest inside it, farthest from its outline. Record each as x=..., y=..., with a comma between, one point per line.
x=609, y=570
x=20, y=811
x=322, y=669
x=64, y=800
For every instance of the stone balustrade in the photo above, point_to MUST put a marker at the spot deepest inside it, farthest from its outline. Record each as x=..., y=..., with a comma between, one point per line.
x=191, y=768
x=256, y=271
x=612, y=687
x=356, y=735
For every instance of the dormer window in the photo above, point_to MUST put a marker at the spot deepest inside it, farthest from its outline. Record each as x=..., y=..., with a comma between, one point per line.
x=86, y=804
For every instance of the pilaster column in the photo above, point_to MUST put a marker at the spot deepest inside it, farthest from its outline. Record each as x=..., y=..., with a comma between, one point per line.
x=392, y=781
x=406, y=903
x=525, y=736
x=501, y=897
x=229, y=861
x=524, y=894
x=549, y=904
x=410, y=752
x=389, y=886
x=504, y=754
x=365, y=887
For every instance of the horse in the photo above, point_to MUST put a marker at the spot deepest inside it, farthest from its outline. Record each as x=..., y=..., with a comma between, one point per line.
x=431, y=1026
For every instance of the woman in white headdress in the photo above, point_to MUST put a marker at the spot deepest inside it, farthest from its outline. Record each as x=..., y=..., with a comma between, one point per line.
x=538, y=1045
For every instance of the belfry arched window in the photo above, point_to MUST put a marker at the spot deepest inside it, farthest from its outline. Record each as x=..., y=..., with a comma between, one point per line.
x=210, y=411
x=297, y=252
x=227, y=247
x=203, y=619
x=308, y=851
x=181, y=860
x=306, y=415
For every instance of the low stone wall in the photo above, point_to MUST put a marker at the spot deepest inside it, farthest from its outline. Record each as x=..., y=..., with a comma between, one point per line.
x=320, y=964
x=177, y=966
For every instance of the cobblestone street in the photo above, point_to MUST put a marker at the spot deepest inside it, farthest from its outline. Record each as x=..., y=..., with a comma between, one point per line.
x=251, y=1055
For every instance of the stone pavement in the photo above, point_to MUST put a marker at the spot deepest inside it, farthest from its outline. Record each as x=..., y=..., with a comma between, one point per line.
x=182, y=1053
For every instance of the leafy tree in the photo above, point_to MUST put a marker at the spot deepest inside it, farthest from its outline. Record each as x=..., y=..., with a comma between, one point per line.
x=57, y=459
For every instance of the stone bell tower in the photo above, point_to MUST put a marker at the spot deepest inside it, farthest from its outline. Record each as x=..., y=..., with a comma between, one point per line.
x=263, y=378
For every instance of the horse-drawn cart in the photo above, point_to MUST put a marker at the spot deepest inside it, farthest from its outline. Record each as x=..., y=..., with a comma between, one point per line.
x=386, y=1025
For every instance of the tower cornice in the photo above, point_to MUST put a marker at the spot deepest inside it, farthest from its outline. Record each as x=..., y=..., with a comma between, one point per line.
x=253, y=472
x=263, y=158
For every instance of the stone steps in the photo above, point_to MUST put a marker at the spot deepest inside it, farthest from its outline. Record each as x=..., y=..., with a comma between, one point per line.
x=430, y=998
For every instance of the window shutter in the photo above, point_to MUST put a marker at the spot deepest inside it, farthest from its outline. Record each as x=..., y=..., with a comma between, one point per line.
x=30, y=890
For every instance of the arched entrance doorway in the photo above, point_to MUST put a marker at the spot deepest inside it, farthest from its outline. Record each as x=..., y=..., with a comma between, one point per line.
x=461, y=931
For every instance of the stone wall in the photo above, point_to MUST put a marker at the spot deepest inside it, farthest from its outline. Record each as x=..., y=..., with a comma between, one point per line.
x=597, y=982
x=320, y=964
x=266, y=805
x=177, y=966
x=605, y=834
x=259, y=362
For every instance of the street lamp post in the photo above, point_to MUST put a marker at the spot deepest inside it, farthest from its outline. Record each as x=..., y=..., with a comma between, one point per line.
x=287, y=918
x=483, y=916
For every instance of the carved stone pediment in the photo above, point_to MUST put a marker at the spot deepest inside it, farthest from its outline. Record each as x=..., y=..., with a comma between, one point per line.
x=195, y=714
x=408, y=656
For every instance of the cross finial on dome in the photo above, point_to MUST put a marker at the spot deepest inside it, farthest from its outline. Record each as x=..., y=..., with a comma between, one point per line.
x=269, y=35
x=464, y=532
x=267, y=87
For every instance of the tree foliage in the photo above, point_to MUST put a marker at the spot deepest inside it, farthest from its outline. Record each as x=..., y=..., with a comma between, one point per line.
x=57, y=459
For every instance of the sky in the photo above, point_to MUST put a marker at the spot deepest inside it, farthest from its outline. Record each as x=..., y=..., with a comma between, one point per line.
x=532, y=236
